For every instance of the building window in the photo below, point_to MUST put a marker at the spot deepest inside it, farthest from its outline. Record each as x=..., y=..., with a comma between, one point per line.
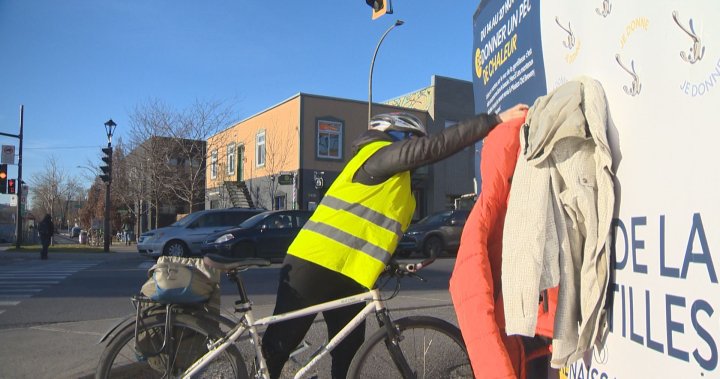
x=213, y=164
x=329, y=138
x=231, y=158
x=260, y=148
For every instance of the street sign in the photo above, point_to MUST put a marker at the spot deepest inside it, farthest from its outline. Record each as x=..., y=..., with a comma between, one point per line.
x=285, y=179
x=8, y=154
x=13, y=201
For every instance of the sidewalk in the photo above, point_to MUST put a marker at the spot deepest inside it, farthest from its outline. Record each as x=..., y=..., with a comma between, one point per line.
x=118, y=247
x=69, y=350
x=117, y=251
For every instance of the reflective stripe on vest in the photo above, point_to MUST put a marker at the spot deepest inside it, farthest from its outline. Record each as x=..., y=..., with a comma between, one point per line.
x=357, y=227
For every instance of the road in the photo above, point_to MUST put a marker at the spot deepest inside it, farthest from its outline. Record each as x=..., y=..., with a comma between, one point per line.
x=53, y=313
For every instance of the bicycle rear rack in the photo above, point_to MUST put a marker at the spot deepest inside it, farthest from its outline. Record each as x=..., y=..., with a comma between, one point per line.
x=142, y=303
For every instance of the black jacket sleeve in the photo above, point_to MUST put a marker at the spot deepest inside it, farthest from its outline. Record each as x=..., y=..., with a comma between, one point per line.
x=412, y=153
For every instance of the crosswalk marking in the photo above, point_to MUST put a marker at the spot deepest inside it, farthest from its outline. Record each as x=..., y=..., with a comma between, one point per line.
x=23, y=279
x=21, y=276
x=22, y=290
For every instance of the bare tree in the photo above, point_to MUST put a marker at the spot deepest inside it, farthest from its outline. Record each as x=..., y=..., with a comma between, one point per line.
x=149, y=123
x=127, y=187
x=48, y=188
x=277, y=158
x=192, y=128
x=168, y=153
x=72, y=192
x=94, y=207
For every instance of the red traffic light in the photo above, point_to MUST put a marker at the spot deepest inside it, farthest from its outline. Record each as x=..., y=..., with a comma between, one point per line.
x=11, y=186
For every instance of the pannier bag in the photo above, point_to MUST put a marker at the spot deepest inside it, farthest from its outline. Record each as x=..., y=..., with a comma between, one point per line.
x=181, y=280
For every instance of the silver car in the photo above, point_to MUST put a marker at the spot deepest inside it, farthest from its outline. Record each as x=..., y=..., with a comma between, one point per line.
x=185, y=237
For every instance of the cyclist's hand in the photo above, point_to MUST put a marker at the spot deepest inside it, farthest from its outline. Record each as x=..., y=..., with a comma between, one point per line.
x=515, y=112
x=391, y=268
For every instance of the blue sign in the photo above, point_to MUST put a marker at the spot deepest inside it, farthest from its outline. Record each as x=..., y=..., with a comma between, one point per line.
x=507, y=54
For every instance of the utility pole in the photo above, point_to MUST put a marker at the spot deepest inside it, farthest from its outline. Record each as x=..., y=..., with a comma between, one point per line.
x=18, y=218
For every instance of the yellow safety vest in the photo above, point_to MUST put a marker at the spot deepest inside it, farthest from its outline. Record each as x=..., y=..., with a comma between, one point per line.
x=356, y=227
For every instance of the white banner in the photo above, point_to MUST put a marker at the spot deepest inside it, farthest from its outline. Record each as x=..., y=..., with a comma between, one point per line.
x=659, y=63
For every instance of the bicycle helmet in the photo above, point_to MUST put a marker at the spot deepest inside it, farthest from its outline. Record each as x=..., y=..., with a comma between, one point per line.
x=398, y=121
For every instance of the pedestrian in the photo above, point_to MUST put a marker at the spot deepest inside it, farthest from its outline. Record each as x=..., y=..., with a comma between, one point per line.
x=352, y=234
x=127, y=230
x=46, y=229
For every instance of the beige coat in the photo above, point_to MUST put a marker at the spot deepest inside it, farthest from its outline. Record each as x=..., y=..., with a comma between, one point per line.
x=557, y=229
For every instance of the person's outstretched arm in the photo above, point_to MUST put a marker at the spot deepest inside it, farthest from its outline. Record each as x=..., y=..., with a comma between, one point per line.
x=412, y=153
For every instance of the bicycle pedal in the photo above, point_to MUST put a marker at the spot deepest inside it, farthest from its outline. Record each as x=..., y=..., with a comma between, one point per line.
x=302, y=347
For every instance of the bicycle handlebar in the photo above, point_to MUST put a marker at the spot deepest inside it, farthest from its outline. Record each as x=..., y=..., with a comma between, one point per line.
x=415, y=267
x=397, y=270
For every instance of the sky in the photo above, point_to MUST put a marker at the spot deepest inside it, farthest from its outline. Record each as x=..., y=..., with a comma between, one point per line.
x=74, y=64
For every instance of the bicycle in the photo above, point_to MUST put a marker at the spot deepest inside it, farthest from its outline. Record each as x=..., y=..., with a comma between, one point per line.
x=168, y=340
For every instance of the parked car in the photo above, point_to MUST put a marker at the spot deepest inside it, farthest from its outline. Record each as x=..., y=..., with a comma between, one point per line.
x=75, y=232
x=265, y=235
x=185, y=237
x=434, y=234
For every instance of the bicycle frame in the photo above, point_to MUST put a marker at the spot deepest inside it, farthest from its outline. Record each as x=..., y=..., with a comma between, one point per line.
x=248, y=322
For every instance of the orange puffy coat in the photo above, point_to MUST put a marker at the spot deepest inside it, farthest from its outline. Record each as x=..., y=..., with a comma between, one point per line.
x=475, y=285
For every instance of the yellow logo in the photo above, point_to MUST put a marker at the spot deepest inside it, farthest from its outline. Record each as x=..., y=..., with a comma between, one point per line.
x=478, y=63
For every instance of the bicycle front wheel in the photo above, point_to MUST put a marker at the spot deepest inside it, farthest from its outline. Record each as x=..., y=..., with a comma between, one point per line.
x=431, y=348
x=144, y=357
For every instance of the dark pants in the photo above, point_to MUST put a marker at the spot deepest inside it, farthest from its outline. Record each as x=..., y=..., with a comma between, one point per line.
x=45, y=242
x=303, y=284
x=537, y=368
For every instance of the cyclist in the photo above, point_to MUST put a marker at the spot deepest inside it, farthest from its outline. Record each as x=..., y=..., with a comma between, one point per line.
x=352, y=234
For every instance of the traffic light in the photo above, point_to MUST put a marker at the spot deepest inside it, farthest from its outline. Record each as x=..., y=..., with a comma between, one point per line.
x=3, y=178
x=11, y=186
x=106, y=176
x=380, y=7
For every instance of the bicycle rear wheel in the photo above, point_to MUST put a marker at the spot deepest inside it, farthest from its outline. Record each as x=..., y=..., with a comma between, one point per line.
x=432, y=348
x=128, y=357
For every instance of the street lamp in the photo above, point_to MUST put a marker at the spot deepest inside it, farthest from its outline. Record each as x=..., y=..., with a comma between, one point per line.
x=109, y=130
x=372, y=65
x=110, y=126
